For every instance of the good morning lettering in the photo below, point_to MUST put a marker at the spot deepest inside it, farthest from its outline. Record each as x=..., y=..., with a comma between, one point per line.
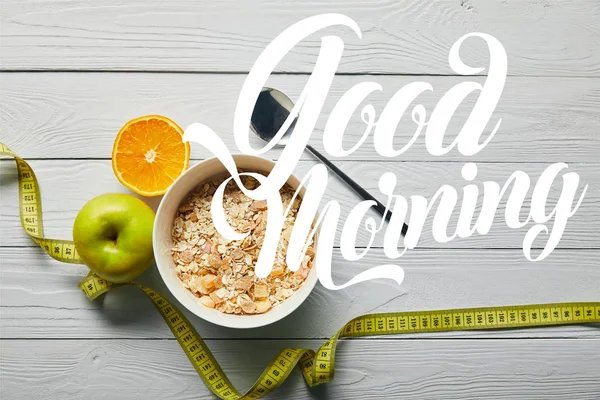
x=430, y=126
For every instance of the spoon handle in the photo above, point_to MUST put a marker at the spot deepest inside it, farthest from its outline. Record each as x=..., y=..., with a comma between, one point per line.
x=355, y=186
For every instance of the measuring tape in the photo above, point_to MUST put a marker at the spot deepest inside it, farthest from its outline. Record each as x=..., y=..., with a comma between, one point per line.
x=30, y=205
x=317, y=367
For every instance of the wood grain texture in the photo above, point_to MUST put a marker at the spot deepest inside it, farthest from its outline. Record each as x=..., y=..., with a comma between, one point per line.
x=80, y=180
x=39, y=297
x=414, y=369
x=548, y=38
x=58, y=115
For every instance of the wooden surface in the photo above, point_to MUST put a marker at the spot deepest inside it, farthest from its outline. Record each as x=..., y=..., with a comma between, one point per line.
x=542, y=37
x=411, y=369
x=73, y=72
x=76, y=115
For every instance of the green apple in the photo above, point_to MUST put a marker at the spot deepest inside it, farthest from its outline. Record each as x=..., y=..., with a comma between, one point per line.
x=113, y=236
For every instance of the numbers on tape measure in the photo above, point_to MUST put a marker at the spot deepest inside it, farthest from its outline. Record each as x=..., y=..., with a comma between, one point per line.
x=31, y=213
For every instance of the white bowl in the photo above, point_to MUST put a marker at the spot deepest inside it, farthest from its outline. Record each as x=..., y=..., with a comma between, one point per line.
x=162, y=242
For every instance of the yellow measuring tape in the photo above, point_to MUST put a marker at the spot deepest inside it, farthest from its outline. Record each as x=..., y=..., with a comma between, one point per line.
x=317, y=367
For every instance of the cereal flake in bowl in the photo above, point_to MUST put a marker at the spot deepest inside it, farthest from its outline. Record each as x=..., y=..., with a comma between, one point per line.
x=220, y=272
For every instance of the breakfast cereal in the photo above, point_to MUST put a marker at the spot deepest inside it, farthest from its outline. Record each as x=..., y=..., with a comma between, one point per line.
x=221, y=272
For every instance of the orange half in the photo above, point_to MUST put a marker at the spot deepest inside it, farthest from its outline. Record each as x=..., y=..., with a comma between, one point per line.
x=149, y=154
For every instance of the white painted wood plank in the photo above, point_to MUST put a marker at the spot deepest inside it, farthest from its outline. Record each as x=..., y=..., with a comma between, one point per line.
x=39, y=297
x=61, y=115
x=415, y=369
x=68, y=184
x=541, y=37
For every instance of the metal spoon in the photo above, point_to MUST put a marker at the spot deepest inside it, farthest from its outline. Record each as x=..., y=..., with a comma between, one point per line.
x=270, y=112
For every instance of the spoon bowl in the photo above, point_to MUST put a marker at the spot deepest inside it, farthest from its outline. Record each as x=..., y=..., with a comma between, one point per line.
x=271, y=111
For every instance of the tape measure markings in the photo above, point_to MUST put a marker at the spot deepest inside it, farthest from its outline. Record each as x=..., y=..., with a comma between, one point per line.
x=30, y=207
